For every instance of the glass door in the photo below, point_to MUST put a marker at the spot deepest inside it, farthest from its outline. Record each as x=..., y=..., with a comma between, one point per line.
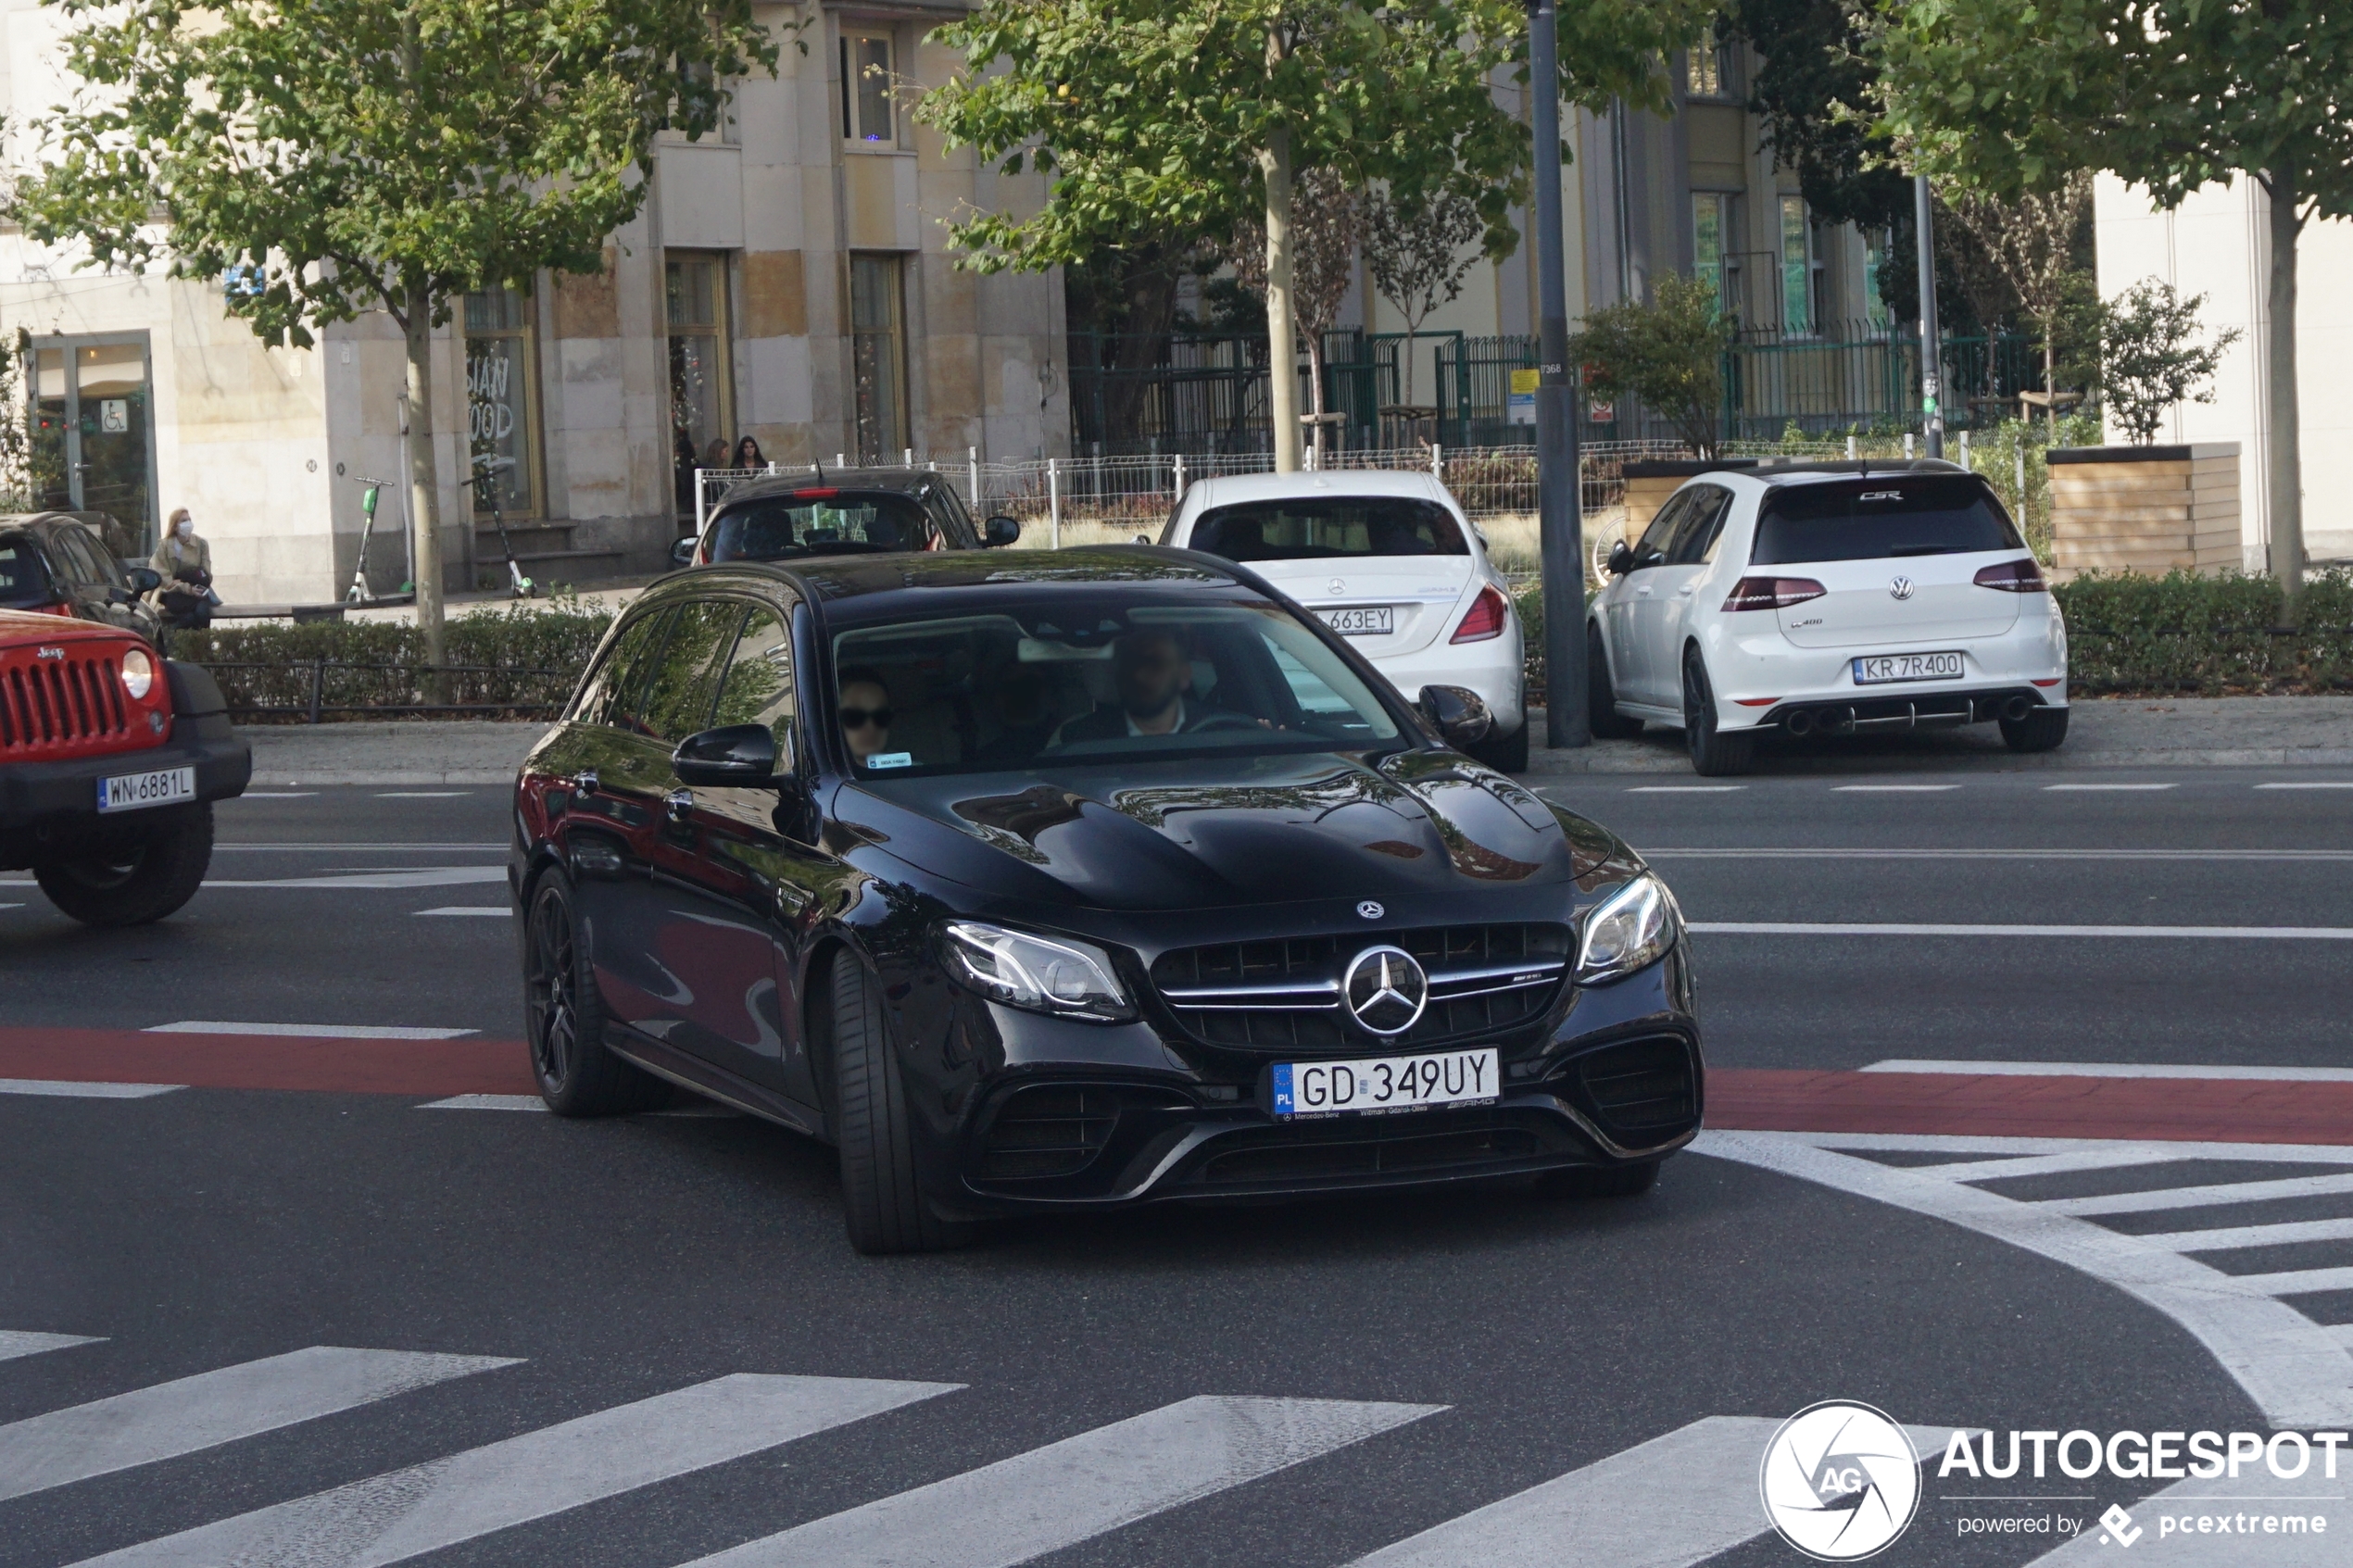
x=93, y=429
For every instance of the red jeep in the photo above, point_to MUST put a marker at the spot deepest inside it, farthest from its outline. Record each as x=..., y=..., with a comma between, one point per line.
x=110, y=758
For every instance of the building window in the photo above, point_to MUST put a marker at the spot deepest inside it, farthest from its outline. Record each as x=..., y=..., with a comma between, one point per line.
x=1713, y=256
x=502, y=402
x=1798, y=266
x=702, y=411
x=866, y=115
x=1707, y=73
x=879, y=355
x=1875, y=310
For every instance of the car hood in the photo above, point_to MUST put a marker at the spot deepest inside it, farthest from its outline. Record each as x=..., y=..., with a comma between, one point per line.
x=1219, y=833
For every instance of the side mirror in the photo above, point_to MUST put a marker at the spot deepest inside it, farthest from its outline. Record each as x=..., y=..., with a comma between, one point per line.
x=1000, y=532
x=1622, y=559
x=744, y=756
x=683, y=552
x=1457, y=713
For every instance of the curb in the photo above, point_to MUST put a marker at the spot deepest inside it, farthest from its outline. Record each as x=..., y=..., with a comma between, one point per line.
x=309, y=778
x=1572, y=763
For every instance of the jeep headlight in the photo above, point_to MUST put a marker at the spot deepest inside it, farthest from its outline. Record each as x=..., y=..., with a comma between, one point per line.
x=1634, y=927
x=1048, y=974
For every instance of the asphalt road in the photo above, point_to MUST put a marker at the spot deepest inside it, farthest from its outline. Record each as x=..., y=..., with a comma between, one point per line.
x=1463, y=1347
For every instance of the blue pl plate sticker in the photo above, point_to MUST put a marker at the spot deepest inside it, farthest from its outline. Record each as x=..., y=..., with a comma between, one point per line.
x=891, y=760
x=1284, y=1104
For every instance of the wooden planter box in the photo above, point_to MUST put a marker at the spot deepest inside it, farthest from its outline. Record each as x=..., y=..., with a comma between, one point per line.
x=1648, y=484
x=2152, y=509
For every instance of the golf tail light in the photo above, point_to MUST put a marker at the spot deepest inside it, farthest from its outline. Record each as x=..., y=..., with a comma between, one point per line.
x=138, y=674
x=1632, y=928
x=1487, y=617
x=1049, y=974
x=2013, y=577
x=1772, y=593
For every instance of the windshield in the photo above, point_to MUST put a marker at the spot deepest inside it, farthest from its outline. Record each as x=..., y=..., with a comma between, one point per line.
x=1874, y=519
x=23, y=581
x=821, y=522
x=1306, y=528
x=1094, y=679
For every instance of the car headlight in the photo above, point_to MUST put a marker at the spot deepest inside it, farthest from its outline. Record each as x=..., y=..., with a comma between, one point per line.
x=1634, y=926
x=1049, y=974
x=138, y=673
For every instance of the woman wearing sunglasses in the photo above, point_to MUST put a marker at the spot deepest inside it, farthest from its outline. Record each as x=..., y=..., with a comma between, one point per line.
x=865, y=720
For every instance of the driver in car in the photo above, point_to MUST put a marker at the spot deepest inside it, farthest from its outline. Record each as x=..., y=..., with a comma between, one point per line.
x=1152, y=676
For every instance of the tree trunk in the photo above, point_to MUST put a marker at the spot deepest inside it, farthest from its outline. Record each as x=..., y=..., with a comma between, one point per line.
x=1282, y=350
x=1315, y=387
x=424, y=505
x=2050, y=381
x=2286, y=467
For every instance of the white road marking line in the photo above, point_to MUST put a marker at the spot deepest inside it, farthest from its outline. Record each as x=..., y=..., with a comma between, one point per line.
x=500, y=910
x=310, y=848
x=1812, y=852
x=405, y=1513
x=2298, y=1282
x=1683, y=789
x=1891, y=789
x=1071, y=1491
x=209, y=1409
x=2252, y=1236
x=86, y=1091
x=2050, y=1164
x=277, y=795
x=1602, y=1512
x=311, y=1031
x=15, y=1342
x=421, y=794
x=424, y=876
x=2212, y=933
x=11, y=906
x=2209, y=1195
x=2296, y=1373
x=486, y=1102
x=2105, y=787
x=2313, y=784
x=1926, y=1142
x=2113, y=1070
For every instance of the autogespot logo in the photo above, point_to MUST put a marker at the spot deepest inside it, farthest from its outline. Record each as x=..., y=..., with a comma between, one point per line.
x=1839, y=1481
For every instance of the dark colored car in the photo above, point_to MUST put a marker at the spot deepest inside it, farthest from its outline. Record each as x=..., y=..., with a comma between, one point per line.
x=850, y=511
x=110, y=758
x=61, y=564
x=1067, y=881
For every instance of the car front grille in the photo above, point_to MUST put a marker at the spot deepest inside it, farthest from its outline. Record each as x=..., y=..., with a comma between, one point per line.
x=59, y=707
x=1369, y=1157
x=1051, y=1130
x=1642, y=1089
x=1283, y=994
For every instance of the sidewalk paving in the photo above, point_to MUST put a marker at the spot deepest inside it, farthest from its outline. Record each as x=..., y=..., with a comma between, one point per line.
x=2249, y=732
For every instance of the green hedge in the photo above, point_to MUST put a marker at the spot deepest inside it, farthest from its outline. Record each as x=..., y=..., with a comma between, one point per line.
x=518, y=658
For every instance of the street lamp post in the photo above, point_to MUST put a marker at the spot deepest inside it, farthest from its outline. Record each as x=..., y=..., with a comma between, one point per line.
x=1559, y=497
x=1931, y=380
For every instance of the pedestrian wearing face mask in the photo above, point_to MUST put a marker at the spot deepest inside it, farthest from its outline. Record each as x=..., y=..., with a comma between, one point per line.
x=184, y=562
x=181, y=547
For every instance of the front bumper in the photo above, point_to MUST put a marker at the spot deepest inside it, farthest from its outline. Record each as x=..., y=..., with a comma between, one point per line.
x=50, y=809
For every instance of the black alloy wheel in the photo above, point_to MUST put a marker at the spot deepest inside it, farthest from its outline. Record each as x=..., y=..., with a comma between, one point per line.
x=882, y=1203
x=139, y=883
x=1713, y=752
x=565, y=1018
x=1602, y=718
x=2039, y=730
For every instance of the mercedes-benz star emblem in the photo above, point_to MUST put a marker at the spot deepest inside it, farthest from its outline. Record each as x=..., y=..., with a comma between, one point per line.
x=1340, y=586
x=1370, y=909
x=1901, y=588
x=1386, y=990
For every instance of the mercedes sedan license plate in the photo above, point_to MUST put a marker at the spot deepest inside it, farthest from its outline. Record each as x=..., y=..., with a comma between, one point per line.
x=1388, y=1083
x=1364, y=621
x=1879, y=668
x=129, y=792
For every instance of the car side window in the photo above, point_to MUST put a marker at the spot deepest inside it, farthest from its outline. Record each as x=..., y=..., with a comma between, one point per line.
x=758, y=685
x=1661, y=532
x=1695, y=544
x=82, y=561
x=611, y=692
x=686, y=676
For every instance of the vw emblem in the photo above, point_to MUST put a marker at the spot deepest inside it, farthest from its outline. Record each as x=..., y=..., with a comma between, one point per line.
x=1901, y=588
x=1370, y=909
x=1386, y=990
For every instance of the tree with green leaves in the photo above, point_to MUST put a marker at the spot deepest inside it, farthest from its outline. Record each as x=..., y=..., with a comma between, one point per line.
x=1812, y=92
x=372, y=155
x=2152, y=357
x=2010, y=96
x=1193, y=117
x=1668, y=353
x=2032, y=242
x=1418, y=253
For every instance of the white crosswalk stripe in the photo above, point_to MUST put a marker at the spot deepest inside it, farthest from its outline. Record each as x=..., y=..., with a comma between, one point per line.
x=2299, y=1371
x=1070, y=1491
x=1607, y=1514
x=209, y=1409
x=15, y=1342
x=402, y=1514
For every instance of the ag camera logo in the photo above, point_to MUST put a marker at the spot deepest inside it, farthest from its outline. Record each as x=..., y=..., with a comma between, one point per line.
x=1839, y=1481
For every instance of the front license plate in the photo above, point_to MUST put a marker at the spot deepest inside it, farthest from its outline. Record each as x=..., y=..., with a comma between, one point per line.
x=1365, y=621
x=129, y=792
x=1879, y=669
x=1386, y=1083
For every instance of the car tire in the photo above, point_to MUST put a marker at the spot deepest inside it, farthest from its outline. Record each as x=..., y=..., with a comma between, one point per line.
x=137, y=886
x=1602, y=716
x=563, y=1020
x=1600, y=1181
x=1506, y=754
x=2039, y=731
x=1714, y=753
x=882, y=1203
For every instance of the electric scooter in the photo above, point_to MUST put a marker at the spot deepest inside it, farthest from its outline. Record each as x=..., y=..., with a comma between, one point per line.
x=362, y=590
x=485, y=469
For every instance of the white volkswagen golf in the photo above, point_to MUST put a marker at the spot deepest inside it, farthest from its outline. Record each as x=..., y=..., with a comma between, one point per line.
x=1388, y=560
x=1833, y=598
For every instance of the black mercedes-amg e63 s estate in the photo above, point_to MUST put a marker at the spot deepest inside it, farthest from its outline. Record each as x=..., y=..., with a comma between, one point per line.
x=1068, y=881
